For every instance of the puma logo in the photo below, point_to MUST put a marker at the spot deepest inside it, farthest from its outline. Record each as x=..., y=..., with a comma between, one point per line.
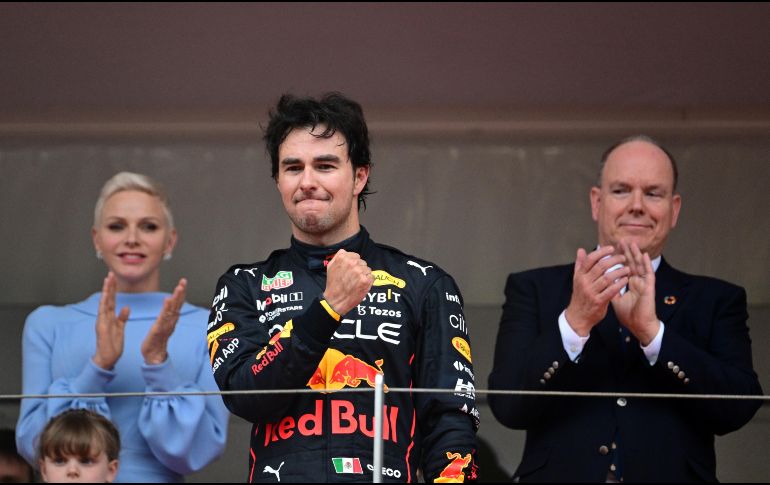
x=422, y=268
x=269, y=469
x=250, y=271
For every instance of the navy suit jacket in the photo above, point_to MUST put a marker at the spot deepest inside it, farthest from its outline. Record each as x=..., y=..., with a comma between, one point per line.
x=706, y=349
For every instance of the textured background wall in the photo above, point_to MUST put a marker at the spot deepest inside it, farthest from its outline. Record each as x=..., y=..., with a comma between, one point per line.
x=480, y=207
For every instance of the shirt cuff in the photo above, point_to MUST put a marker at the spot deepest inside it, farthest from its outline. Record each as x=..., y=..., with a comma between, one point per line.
x=93, y=379
x=161, y=377
x=316, y=326
x=573, y=343
x=653, y=350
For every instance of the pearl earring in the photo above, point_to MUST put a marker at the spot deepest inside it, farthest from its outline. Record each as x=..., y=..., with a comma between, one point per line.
x=166, y=256
x=99, y=254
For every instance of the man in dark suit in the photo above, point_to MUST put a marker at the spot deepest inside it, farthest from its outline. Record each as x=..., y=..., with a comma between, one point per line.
x=622, y=320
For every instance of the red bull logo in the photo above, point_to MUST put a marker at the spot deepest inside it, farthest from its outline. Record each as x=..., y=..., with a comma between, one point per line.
x=268, y=356
x=337, y=371
x=271, y=351
x=453, y=473
x=344, y=420
x=284, y=333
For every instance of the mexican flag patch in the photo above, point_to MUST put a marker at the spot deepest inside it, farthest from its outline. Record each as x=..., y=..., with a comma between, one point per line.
x=347, y=465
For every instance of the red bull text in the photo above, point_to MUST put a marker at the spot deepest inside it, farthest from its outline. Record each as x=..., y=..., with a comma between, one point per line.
x=344, y=420
x=270, y=351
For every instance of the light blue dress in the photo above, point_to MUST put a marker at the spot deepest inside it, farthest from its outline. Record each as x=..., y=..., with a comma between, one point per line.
x=162, y=438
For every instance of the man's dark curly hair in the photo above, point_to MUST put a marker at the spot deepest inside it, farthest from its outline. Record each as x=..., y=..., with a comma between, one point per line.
x=336, y=113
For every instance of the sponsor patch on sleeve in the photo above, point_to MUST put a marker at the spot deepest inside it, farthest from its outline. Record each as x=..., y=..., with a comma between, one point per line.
x=462, y=346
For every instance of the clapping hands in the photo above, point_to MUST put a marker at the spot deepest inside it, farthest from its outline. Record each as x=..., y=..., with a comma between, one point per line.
x=110, y=327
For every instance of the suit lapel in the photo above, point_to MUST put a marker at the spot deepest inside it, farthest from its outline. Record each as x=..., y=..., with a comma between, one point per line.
x=670, y=291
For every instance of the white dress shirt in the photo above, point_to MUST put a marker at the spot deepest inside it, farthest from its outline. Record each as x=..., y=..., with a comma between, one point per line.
x=574, y=343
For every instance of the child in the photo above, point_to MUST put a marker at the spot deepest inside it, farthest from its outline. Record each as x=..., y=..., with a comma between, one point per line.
x=79, y=446
x=13, y=468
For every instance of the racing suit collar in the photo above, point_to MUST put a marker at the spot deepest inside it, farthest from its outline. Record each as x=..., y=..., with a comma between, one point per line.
x=317, y=257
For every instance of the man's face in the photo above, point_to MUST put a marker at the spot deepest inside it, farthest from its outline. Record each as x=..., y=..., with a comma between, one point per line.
x=636, y=202
x=319, y=187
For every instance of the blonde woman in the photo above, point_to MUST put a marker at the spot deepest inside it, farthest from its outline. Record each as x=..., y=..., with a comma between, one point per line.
x=128, y=337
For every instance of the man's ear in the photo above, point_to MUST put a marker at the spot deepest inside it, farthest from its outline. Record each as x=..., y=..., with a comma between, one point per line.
x=676, y=206
x=596, y=197
x=360, y=177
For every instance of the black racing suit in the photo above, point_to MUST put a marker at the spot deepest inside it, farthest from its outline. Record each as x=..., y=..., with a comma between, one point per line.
x=270, y=329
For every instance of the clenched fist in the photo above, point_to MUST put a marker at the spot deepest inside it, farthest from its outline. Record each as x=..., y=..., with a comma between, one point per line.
x=348, y=279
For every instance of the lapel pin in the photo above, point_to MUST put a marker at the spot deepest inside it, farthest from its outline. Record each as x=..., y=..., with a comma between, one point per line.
x=669, y=300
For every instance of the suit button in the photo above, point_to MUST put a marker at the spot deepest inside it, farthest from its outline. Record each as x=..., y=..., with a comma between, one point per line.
x=603, y=450
x=675, y=369
x=628, y=340
x=670, y=365
x=546, y=376
x=542, y=381
x=622, y=402
x=551, y=370
x=680, y=375
x=614, y=445
x=687, y=380
x=555, y=365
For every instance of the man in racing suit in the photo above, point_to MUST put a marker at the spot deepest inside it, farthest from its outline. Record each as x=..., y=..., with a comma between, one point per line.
x=330, y=313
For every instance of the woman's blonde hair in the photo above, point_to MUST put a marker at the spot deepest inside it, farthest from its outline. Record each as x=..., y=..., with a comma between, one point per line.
x=132, y=181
